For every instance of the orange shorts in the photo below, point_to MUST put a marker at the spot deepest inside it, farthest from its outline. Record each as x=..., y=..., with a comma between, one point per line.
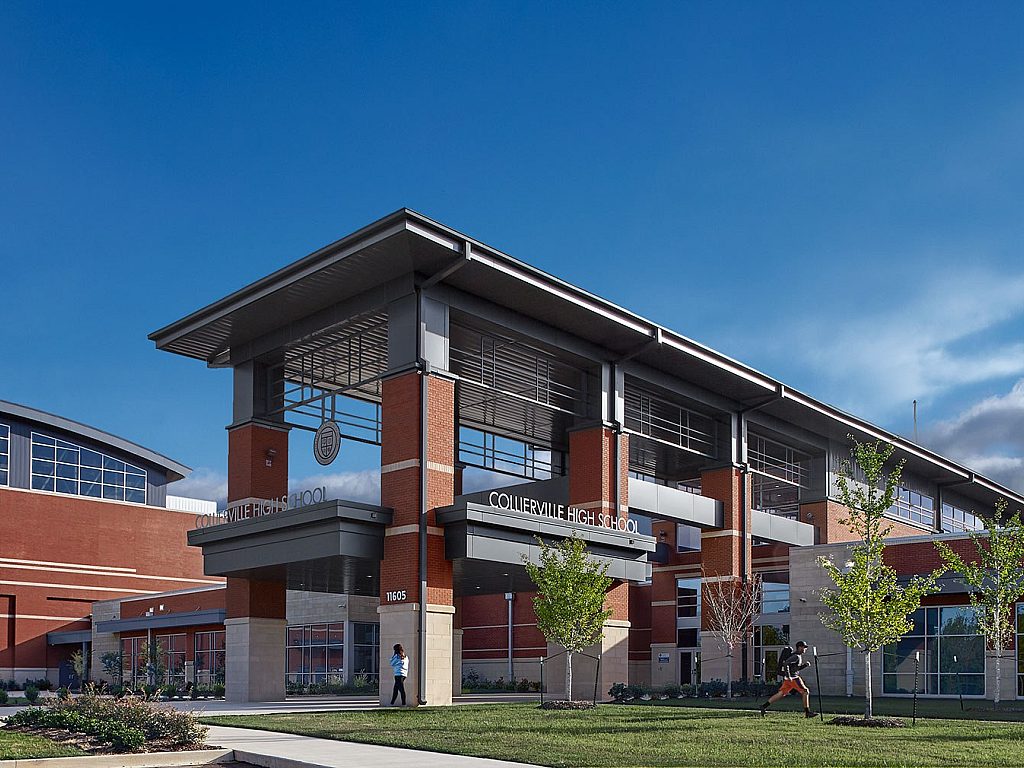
x=794, y=684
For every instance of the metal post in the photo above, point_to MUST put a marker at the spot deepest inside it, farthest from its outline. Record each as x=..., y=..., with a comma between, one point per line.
x=959, y=688
x=511, y=670
x=917, y=665
x=817, y=680
x=597, y=678
x=541, y=679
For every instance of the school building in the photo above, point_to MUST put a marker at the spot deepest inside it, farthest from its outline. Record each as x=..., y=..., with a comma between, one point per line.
x=508, y=404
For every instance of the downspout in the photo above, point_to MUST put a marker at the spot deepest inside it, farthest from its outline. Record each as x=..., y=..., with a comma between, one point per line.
x=617, y=447
x=743, y=467
x=424, y=367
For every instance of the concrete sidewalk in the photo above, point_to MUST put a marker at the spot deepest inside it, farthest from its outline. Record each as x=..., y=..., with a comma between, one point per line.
x=286, y=750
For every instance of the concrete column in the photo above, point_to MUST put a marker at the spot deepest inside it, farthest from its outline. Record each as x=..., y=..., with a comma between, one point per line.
x=254, y=630
x=456, y=662
x=664, y=673
x=400, y=573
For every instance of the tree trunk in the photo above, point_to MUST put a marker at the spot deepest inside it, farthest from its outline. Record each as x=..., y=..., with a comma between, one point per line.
x=728, y=676
x=999, y=671
x=868, y=710
x=568, y=676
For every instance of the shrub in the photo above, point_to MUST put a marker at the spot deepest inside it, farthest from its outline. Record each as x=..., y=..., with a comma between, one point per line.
x=126, y=724
x=675, y=690
x=3, y=696
x=31, y=693
x=218, y=690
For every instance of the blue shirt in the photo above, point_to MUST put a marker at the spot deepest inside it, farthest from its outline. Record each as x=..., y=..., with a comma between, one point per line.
x=400, y=665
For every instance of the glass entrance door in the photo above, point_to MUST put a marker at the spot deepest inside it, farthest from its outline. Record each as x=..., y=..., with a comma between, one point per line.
x=686, y=668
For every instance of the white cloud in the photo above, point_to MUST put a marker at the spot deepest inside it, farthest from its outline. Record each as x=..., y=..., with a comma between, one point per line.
x=208, y=484
x=203, y=483
x=987, y=437
x=351, y=486
x=932, y=342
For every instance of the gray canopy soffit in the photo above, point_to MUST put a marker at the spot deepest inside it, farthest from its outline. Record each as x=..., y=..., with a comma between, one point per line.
x=163, y=621
x=335, y=546
x=408, y=246
x=487, y=546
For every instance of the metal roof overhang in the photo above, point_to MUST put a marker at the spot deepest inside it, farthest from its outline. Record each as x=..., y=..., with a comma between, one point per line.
x=487, y=546
x=163, y=621
x=175, y=471
x=335, y=546
x=407, y=243
x=73, y=636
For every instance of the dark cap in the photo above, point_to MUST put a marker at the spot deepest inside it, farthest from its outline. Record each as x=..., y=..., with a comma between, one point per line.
x=801, y=643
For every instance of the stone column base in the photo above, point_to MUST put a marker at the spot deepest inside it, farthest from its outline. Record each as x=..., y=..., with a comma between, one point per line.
x=255, y=659
x=614, y=653
x=400, y=624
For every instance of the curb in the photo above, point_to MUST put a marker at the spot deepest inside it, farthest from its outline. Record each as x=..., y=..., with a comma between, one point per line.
x=145, y=760
x=270, y=761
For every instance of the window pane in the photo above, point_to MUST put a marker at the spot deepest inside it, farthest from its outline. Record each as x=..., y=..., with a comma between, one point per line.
x=42, y=483
x=114, y=464
x=135, y=481
x=42, y=451
x=136, y=497
x=40, y=467
x=67, y=454
x=91, y=489
x=113, y=478
x=90, y=475
x=90, y=458
x=68, y=471
x=67, y=486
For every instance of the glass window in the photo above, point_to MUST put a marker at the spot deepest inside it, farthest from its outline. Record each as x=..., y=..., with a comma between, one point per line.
x=775, y=592
x=914, y=506
x=946, y=646
x=67, y=468
x=5, y=453
x=134, y=670
x=769, y=639
x=366, y=649
x=687, y=598
x=315, y=654
x=956, y=519
x=209, y=658
x=171, y=653
x=687, y=538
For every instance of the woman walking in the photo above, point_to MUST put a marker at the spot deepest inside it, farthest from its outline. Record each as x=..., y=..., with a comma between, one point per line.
x=400, y=666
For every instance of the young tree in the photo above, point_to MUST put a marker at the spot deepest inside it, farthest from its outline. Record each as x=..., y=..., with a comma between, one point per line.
x=79, y=663
x=571, y=589
x=730, y=607
x=869, y=608
x=995, y=579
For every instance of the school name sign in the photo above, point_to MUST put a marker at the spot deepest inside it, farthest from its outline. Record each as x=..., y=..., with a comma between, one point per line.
x=250, y=508
x=567, y=512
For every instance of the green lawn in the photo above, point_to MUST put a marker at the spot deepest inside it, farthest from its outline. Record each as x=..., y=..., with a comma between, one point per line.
x=627, y=735
x=23, y=746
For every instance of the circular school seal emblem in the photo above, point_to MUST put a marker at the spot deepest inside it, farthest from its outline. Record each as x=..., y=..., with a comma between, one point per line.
x=327, y=443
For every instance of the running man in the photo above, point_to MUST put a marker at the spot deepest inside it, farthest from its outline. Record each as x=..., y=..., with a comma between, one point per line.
x=789, y=667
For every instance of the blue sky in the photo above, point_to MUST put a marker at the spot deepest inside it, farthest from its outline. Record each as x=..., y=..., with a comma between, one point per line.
x=830, y=194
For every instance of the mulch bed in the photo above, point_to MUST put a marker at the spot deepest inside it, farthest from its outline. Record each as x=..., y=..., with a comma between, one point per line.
x=89, y=744
x=568, y=705
x=874, y=722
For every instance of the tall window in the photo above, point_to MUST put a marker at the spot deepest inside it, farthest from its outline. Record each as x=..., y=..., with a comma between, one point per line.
x=366, y=649
x=171, y=657
x=5, y=453
x=775, y=592
x=956, y=519
x=316, y=654
x=134, y=664
x=1020, y=650
x=938, y=635
x=914, y=506
x=777, y=473
x=209, y=657
x=769, y=639
x=687, y=598
x=68, y=468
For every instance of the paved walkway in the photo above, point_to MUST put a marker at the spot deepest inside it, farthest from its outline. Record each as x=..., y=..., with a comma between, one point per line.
x=335, y=754
x=214, y=707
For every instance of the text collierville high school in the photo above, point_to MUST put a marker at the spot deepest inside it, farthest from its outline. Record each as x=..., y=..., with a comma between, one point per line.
x=507, y=405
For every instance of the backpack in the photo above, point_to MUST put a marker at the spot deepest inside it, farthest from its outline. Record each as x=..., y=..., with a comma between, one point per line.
x=784, y=655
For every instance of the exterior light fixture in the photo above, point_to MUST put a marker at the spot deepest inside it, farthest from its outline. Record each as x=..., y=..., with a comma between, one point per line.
x=270, y=454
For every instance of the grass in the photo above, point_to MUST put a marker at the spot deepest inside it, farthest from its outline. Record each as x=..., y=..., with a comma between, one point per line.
x=24, y=746
x=629, y=735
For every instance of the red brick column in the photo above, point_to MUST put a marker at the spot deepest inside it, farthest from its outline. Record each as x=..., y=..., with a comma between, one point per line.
x=592, y=486
x=401, y=491
x=255, y=610
x=722, y=556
